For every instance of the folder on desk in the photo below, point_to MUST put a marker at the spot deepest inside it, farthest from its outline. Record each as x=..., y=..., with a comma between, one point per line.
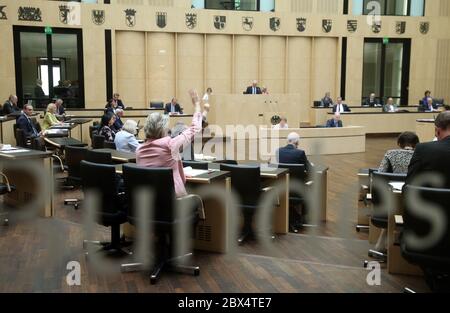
x=190, y=172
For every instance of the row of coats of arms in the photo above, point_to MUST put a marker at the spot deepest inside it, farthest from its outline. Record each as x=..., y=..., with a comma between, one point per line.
x=66, y=13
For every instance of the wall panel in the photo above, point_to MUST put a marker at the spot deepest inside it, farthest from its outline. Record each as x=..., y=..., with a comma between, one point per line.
x=219, y=63
x=246, y=66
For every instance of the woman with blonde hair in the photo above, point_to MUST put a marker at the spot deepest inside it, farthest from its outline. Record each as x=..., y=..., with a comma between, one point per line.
x=50, y=117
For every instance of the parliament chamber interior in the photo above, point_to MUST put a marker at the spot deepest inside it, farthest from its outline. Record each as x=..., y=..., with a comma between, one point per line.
x=208, y=146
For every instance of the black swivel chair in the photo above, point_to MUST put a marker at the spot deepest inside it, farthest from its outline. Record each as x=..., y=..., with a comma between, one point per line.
x=109, y=145
x=21, y=140
x=98, y=157
x=101, y=178
x=98, y=141
x=5, y=187
x=434, y=260
x=246, y=182
x=73, y=157
x=299, y=173
x=196, y=165
x=379, y=217
x=165, y=222
x=230, y=162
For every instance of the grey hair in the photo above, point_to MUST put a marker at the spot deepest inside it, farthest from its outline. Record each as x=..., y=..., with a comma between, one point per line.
x=130, y=126
x=293, y=138
x=156, y=126
x=117, y=111
x=177, y=129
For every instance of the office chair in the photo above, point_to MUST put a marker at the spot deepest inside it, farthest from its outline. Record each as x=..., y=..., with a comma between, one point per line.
x=73, y=157
x=246, y=182
x=379, y=217
x=98, y=157
x=366, y=196
x=38, y=144
x=102, y=178
x=156, y=105
x=93, y=130
x=109, y=145
x=98, y=141
x=164, y=220
x=5, y=187
x=435, y=259
x=299, y=173
x=230, y=162
x=196, y=165
x=21, y=140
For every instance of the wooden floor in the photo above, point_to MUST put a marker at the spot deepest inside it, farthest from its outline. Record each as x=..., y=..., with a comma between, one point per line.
x=329, y=258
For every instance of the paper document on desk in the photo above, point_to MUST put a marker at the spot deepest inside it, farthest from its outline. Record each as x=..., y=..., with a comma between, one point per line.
x=202, y=157
x=6, y=147
x=397, y=185
x=14, y=151
x=190, y=172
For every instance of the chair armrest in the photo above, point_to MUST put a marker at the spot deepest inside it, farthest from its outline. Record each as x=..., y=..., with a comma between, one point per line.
x=309, y=183
x=8, y=186
x=268, y=189
x=60, y=161
x=201, y=208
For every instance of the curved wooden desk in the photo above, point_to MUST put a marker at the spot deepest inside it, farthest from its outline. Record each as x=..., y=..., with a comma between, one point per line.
x=383, y=123
x=425, y=129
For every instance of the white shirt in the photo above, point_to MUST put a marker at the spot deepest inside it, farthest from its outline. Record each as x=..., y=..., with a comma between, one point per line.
x=339, y=108
x=126, y=142
x=391, y=108
x=206, y=97
x=278, y=126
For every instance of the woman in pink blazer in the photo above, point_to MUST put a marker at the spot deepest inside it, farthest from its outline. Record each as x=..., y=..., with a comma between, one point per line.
x=160, y=150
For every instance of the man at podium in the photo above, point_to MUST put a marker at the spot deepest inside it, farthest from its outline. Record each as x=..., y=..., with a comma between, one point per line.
x=253, y=89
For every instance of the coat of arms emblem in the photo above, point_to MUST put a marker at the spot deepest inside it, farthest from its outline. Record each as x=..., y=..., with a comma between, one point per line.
x=191, y=20
x=352, y=25
x=400, y=27
x=161, y=19
x=130, y=17
x=424, y=27
x=98, y=16
x=301, y=24
x=220, y=21
x=275, y=23
x=247, y=23
x=327, y=25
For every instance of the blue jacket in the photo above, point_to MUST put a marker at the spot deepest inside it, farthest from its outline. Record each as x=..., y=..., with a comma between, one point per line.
x=24, y=123
x=292, y=155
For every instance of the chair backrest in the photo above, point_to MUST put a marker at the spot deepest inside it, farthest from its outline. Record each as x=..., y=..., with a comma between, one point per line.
x=422, y=227
x=21, y=141
x=196, y=165
x=231, y=162
x=74, y=156
x=109, y=145
x=98, y=157
x=156, y=105
x=101, y=178
x=157, y=180
x=93, y=130
x=14, y=129
x=98, y=141
x=37, y=144
x=383, y=179
x=296, y=171
x=245, y=181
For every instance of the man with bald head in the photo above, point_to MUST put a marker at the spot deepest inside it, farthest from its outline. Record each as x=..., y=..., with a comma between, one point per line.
x=10, y=106
x=253, y=89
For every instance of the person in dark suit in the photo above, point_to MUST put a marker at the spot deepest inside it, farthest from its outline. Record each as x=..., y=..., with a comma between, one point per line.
x=340, y=107
x=60, y=111
x=335, y=121
x=326, y=101
x=290, y=154
x=25, y=123
x=372, y=101
x=173, y=107
x=10, y=106
x=119, y=102
x=432, y=157
x=429, y=106
x=253, y=89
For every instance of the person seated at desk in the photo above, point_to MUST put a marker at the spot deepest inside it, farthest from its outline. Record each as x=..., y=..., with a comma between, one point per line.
x=390, y=107
x=60, y=111
x=397, y=160
x=282, y=125
x=432, y=157
x=160, y=150
x=372, y=101
x=335, y=121
x=111, y=106
x=425, y=98
x=10, y=106
x=173, y=107
x=326, y=101
x=118, y=124
x=253, y=89
x=340, y=107
x=50, y=117
x=119, y=102
x=125, y=139
x=106, y=130
x=264, y=91
x=430, y=106
x=25, y=123
x=290, y=154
